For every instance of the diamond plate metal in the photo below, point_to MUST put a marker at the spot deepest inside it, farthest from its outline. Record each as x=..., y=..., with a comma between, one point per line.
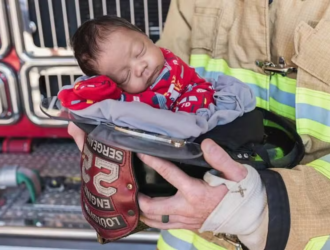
x=54, y=208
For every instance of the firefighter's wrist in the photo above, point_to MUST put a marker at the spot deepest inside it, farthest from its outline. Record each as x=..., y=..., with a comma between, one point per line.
x=242, y=211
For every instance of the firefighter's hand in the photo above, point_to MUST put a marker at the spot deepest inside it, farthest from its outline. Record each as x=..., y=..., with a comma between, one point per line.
x=77, y=134
x=195, y=198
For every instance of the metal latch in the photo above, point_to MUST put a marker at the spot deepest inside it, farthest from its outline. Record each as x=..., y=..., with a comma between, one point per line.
x=272, y=68
x=228, y=241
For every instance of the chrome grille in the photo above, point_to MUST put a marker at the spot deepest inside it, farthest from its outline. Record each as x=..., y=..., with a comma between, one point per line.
x=9, y=103
x=44, y=80
x=49, y=24
x=41, y=33
x=50, y=84
x=4, y=35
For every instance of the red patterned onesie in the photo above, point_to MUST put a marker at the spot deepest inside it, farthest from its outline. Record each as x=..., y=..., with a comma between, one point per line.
x=178, y=88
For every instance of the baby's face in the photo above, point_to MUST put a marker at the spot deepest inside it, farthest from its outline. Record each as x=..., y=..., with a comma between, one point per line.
x=131, y=59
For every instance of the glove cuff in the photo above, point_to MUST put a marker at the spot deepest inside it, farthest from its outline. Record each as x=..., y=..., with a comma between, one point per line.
x=243, y=209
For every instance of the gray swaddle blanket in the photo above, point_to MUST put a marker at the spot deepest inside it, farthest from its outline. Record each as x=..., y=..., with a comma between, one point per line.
x=232, y=99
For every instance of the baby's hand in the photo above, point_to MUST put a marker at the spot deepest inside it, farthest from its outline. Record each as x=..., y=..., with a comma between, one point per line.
x=88, y=91
x=97, y=88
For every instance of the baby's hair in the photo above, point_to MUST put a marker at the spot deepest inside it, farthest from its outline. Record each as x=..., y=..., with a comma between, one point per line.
x=85, y=41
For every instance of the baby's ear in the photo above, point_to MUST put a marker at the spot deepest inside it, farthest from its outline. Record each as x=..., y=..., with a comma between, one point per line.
x=86, y=58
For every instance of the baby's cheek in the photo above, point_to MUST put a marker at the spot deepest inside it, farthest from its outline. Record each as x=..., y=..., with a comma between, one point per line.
x=131, y=88
x=161, y=58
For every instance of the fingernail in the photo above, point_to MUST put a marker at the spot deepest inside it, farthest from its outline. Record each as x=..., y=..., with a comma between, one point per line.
x=139, y=155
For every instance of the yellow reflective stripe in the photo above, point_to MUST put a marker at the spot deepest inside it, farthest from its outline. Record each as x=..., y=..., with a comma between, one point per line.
x=162, y=245
x=220, y=65
x=326, y=245
x=313, y=97
x=310, y=127
x=261, y=103
x=313, y=113
x=284, y=83
x=282, y=109
x=322, y=165
x=198, y=242
x=212, y=67
x=317, y=243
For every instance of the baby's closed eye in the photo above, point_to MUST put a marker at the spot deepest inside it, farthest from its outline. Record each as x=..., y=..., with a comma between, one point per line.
x=141, y=51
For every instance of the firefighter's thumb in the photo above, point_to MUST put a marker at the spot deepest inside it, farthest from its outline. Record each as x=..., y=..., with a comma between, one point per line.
x=77, y=134
x=221, y=161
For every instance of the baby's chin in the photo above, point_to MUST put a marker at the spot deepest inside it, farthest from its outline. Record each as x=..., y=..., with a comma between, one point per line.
x=134, y=92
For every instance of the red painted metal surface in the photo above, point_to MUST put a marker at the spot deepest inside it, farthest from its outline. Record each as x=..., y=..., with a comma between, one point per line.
x=25, y=128
x=13, y=60
x=10, y=145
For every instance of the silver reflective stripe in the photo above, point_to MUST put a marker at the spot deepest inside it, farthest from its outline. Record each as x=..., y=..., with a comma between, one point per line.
x=326, y=245
x=177, y=243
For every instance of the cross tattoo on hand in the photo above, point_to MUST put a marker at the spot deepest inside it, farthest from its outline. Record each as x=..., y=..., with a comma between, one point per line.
x=240, y=190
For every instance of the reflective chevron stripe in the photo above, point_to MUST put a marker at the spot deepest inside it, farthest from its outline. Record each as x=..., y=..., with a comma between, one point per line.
x=319, y=243
x=310, y=108
x=282, y=96
x=276, y=94
x=313, y=113
x=184, y=240
x=322, y=165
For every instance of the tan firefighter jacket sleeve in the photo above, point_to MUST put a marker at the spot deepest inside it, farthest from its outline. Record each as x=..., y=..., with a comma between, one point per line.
x=240, y=32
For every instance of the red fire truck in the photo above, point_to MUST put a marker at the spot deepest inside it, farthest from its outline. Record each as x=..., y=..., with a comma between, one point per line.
x=35, y=62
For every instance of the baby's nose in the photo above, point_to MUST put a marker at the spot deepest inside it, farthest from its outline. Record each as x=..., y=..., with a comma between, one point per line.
x=140, y=68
